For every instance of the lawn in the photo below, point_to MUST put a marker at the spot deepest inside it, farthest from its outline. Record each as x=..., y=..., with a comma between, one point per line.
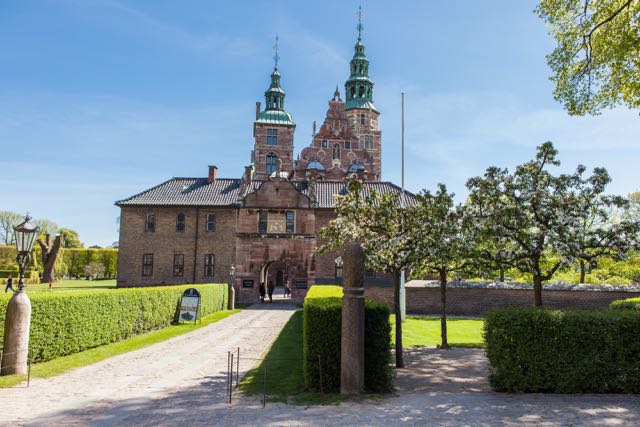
x=87, y=357
x=425, y=331
x=73, y=285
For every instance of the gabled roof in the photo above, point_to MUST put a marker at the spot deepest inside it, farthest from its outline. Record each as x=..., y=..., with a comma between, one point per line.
x=226, y=192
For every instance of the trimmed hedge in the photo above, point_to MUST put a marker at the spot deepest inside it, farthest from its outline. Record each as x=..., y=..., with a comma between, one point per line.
x=322, y=326
x=68, y=322
x=626, y=304
x=556, y=351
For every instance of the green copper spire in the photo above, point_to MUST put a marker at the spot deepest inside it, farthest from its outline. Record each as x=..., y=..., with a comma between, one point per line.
x=274, y=97
x=359, y=88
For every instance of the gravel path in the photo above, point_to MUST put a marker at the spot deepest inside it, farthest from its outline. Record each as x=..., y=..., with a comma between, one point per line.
x=194, y=360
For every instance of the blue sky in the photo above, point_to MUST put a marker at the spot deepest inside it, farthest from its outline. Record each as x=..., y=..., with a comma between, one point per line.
x=101, y=99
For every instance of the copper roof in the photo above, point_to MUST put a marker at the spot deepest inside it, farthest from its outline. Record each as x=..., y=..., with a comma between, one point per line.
x=226, y=192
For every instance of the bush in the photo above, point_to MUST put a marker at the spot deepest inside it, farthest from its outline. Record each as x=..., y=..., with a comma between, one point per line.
x=68, y=322
x=626, y=304
x=554, y=351
x=322, y=334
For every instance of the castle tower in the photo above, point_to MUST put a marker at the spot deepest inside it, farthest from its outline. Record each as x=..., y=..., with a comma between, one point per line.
x=273, y=130
x=359, y=106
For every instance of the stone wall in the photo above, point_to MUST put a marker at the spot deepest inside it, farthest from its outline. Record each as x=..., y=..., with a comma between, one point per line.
x=477, y=301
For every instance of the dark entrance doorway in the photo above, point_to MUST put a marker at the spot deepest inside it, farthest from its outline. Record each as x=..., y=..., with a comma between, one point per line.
x=280, y=279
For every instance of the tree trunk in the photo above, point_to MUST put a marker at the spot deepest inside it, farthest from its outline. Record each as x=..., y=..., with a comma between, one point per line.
x=582, y=271
x=396, y=306
x=49, y=255
x=501, y=274
x=537, y=290
x=443, y=315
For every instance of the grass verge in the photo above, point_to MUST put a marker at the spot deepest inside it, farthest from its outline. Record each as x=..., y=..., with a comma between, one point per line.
x=284, y=376
x=87, y=357
x=73, y=285
x=425, y=331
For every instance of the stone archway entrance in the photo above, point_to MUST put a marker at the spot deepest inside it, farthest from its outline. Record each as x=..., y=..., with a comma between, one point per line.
x=280, y=273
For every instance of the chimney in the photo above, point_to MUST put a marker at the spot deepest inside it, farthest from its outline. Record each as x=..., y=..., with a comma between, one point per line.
x=257, y=110
x=248, y=173
x=213, y=174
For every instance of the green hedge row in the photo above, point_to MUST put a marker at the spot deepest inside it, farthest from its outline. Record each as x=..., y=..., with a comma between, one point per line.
x=68, y=322
x=322, y=334
x=626, y=304
x=555, y=351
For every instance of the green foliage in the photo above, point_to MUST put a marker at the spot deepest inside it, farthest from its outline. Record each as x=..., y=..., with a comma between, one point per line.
x=71, y=238
x=553, y=351
x=595, y=63
x=68, y=322
x=322, y=324
x=626, y=304
x=8, y=220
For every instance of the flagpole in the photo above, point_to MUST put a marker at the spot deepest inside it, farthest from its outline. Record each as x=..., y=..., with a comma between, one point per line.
x=403, y=294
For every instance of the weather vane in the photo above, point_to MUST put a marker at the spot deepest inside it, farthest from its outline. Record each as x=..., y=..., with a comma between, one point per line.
x=276, y=57
x=360, y=27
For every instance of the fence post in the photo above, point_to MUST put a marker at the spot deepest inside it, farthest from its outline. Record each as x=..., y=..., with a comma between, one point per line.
x=231, y=379
x=238, y=368
x=228, y=368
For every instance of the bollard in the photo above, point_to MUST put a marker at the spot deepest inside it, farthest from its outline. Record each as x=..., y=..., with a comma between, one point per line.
x=16, y=335
x=352, y=339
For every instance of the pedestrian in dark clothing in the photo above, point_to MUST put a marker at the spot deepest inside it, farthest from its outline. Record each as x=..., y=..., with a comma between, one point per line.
x=9, y=285
x=270, y=289
x=263, y=291
x=287, y=290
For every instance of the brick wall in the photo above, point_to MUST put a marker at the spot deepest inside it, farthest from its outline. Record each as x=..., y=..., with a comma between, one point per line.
x=466, y=301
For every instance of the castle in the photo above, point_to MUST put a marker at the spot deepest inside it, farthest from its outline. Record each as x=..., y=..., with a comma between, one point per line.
x=263, y=226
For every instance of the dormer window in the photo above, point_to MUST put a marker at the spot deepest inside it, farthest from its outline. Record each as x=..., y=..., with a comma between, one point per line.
x=272, y=136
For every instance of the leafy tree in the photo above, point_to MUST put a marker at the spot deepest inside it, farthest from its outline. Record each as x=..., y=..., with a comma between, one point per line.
x=47, y=227
x=71, y=238
x=443, y=243
x=533, y=215
x=382, y=226
x=596, y=62
x=8, y=220
x=93, y=270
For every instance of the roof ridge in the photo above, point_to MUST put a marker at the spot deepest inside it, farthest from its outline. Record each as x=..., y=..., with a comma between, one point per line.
x=143, y=192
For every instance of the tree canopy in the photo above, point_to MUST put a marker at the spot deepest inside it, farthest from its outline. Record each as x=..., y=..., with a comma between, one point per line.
x=596, y=63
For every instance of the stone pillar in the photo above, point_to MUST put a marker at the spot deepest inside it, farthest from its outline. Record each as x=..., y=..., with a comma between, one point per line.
x=352, y=343
x=16, y=334
x=232, y=295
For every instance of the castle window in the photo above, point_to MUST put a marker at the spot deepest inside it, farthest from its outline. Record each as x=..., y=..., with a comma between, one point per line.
x=362, y=119
x=272, y=136
x=353, y=92
x=368, y=142
x=262, y=222
x=180, y=223
x=147, y=265
x=209, y=264
x=211, y=222
x=290, y=222
x=178, y=265
x=338, y=262
x=361, y=92
x=271, y=166
x=150, y=222
x=336, y=152
x=347, y=145
x=324, y=143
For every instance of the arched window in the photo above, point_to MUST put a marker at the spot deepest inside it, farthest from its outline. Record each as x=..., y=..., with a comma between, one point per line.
x=180, y=223
x=338, y=262
x=361, y=92
x=362, y=119
x=353, y=92
x=336, y=152
x=272, y=161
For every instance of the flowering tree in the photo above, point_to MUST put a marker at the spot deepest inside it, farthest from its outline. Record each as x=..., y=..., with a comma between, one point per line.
x=536, y=217
x=382, y=226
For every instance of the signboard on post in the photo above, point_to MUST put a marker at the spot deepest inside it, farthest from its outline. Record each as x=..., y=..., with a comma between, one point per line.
x=190, y=305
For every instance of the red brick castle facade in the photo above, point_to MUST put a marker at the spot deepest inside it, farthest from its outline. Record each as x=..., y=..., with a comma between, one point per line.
x=265, y=224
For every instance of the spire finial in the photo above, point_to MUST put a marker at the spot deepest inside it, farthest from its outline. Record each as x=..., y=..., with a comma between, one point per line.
x=360, y=27
x=276, y=56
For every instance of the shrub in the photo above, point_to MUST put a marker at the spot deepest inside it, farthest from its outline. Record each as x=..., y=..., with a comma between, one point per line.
x=322, y=324
x=537, y=350
x=626, y=304
x=68, y=322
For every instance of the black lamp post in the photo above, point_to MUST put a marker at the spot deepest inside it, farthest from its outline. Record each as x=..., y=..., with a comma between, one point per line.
x=25, y=235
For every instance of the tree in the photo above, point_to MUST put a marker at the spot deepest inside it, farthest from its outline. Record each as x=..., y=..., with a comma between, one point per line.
x=93, y=270
x=49, y=250
x=596, y=63
x=381, y=225
x=47, y=227
x=533, y=215
x=443, y=244
x=8, y=220
x=71, y=238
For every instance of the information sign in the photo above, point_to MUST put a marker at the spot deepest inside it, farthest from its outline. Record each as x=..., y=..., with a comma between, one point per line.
x=190, y=305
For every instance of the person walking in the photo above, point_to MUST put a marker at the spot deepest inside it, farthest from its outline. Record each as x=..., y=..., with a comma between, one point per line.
x=270, y=289
x=287, y=289
x=9, y=284
x=263, y=291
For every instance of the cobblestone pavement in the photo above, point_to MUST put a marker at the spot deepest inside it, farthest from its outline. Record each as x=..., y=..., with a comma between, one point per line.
x=193, y=393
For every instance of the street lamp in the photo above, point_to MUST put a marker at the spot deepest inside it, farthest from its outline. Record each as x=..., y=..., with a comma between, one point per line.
x=25, y=235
